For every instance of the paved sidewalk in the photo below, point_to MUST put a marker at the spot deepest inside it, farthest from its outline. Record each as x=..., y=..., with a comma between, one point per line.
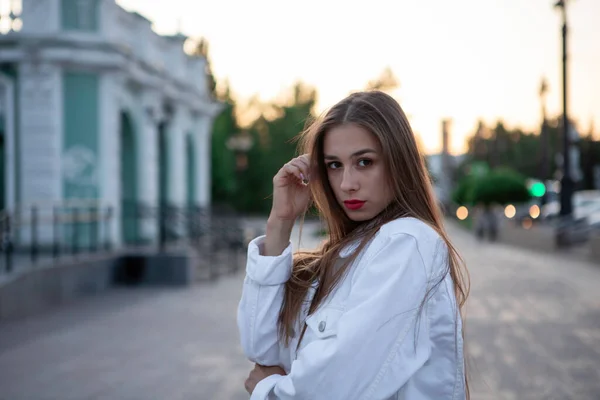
x=533, y=323
x=142, y=343
x=533, y=332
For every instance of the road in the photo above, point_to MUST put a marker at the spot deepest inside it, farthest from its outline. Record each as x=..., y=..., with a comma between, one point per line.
x=533, y=332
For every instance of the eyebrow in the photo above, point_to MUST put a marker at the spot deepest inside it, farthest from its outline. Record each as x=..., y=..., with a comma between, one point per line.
x=355, y=154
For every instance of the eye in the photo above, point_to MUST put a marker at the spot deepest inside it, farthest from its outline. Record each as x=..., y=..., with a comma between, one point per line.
x=333, y=165
x=364, y=162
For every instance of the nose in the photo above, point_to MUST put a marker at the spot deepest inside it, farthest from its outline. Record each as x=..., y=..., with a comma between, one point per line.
x=349, y=181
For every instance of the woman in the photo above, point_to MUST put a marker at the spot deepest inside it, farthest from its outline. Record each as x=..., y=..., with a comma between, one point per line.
x=375, y=312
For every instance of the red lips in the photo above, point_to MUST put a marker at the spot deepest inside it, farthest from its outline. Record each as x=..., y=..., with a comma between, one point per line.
x=354, y=204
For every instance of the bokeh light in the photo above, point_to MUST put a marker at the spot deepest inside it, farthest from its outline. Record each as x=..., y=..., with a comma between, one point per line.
x=534, y=211
x=462, y=213
x=510, y=211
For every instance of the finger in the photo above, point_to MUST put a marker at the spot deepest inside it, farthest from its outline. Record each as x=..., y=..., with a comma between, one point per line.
x=304, y=160
x=305, y=157
x=292, y=169
x=305, y=172
x=310, y=166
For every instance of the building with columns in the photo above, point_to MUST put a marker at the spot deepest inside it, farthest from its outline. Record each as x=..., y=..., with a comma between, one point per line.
x=96, y=106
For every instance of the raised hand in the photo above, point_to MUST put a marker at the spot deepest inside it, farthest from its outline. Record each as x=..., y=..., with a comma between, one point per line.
x=290, y=189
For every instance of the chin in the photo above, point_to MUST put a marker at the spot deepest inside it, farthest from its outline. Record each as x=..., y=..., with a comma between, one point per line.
x=359, y=217
x=355, y=219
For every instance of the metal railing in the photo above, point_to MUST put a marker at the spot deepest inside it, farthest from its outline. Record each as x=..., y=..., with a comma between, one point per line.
x=50, y=233
x=50, y=230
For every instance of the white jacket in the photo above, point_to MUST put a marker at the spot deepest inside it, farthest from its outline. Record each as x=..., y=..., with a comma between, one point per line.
x=373, y=338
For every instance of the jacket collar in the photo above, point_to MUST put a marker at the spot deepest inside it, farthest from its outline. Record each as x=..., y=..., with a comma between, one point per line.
x=349, y=249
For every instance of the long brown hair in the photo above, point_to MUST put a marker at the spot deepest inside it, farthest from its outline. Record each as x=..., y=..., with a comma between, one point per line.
x=409, y=180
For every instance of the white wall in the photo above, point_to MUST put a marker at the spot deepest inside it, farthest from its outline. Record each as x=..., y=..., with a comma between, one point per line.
x=41, y=16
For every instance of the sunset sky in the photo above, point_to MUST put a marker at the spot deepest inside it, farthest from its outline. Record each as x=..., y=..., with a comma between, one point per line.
x=461, y=59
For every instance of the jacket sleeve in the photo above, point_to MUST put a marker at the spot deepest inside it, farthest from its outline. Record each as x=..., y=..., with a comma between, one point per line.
x=372, y=347
x=262, y=295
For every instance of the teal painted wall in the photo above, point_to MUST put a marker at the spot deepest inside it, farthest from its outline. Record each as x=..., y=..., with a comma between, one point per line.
x=2, y=167
x=11, y=71
x=80, y=18
x=163, y=165
x=191, y=175
x=80, y=140
x=129, y=184
x=80, y=148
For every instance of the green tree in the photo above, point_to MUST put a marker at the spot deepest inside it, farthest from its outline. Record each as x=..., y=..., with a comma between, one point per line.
x=223, y=163
x=590, y=154
x=462, y=194
x=499, y=146
x=275, y=144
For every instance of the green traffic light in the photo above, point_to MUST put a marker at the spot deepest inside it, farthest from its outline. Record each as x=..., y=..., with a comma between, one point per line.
x=538, y=189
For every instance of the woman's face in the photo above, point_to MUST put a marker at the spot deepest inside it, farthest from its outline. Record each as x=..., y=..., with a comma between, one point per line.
x=356, y=171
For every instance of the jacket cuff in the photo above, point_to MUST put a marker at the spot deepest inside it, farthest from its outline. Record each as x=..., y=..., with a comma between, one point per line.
x=268, y=270
x=264, y=388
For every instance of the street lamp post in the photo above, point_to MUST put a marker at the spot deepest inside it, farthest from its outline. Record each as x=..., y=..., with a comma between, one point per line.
x=545, y=148
x=567, y=184
x=240, y=144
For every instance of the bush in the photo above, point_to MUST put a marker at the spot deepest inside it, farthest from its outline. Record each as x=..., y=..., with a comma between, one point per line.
x=463, y=192
x=501, y=186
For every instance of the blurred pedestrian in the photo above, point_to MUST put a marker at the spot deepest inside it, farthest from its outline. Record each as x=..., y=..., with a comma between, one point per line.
x=486, y=222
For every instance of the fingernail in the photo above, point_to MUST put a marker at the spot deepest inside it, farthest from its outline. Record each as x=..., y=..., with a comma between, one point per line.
x=304, y=180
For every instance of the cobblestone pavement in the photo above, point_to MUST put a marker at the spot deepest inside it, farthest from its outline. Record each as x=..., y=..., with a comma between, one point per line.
x=533, y=332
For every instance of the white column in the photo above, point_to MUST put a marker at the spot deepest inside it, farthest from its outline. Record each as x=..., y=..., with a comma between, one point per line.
x=40, y=120
x=41, y=137
x=110, y=148
x=203, y=159
x=147, y=139
x=176, y=180
x=177, y=157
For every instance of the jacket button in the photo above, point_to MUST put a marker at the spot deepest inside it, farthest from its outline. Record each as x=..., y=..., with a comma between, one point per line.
x=322, y=326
